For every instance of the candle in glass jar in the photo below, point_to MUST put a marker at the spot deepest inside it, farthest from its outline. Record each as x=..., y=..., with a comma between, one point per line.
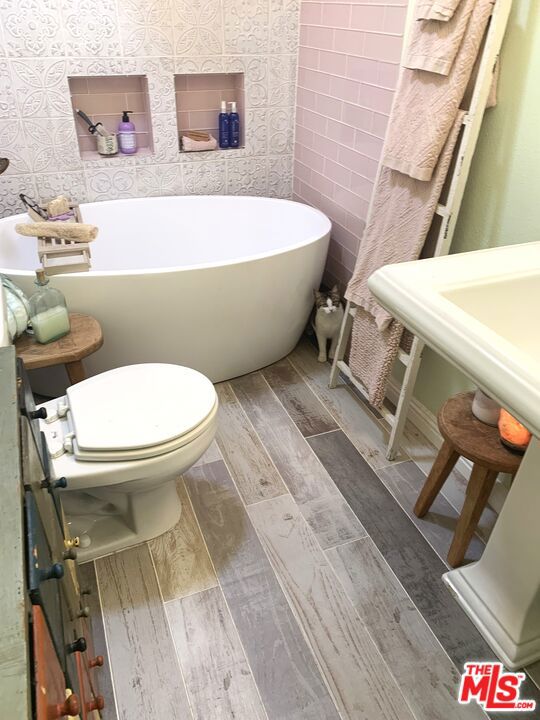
x=50, y=324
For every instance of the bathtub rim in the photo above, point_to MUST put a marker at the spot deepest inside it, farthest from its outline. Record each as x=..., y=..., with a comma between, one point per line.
x=181, y=268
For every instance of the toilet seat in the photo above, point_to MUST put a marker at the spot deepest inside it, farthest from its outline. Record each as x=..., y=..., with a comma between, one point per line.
x=132, y=413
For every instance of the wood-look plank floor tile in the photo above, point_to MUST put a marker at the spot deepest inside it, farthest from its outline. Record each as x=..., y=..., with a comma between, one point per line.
x=255, y=474
x=357, y=675
x=218, y=678
x=426, y=675
x=182, y=563
x=412, y=559
x=305, y=477
x=304, y=407
x=103, y=675
x=360, y=425
x=146, y=673
x=405, y=480
x=211, y=455
x=287, y=676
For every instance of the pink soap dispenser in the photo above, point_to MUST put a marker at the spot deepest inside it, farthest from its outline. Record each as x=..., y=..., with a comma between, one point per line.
x=127, y=140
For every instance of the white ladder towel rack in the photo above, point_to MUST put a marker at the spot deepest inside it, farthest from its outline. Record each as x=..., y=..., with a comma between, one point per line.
x=448, y=214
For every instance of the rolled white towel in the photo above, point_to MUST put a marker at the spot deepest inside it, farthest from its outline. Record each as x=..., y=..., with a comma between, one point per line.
x=190, y=145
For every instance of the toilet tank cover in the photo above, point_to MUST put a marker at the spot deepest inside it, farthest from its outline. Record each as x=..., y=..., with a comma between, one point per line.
x=138, y=406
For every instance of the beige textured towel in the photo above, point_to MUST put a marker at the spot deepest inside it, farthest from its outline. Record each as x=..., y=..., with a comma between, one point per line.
x=441, y=10
x=402, y=212
x=426, y=104
x=401, y=215
x=433, y=45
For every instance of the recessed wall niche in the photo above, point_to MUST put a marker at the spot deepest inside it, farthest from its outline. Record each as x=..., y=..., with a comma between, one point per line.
x=103, y=98
x=199, y=97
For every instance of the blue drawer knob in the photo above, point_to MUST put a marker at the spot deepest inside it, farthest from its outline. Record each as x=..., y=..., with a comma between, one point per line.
x=60, y=483
x=55, y=572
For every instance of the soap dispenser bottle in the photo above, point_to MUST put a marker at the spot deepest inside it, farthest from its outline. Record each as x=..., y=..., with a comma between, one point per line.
x=127, y=140
x=234, y=126
x=223, y=126
x=48, y=311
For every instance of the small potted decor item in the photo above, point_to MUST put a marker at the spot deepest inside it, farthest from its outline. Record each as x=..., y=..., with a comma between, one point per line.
x=514, y=435
x=48, y=311
x=485, y=409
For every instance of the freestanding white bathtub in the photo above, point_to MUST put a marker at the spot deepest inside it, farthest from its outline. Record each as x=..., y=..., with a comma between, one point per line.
x=220, y=284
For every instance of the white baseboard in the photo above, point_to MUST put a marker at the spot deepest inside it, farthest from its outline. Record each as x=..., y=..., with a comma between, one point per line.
x=426, y=422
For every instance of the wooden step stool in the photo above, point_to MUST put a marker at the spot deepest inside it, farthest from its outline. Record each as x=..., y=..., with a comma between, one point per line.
x=466, y=436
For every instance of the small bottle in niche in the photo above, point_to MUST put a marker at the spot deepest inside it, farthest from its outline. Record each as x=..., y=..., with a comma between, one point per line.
x=223, y=126
x=234, y=126
x=127, y=139
x=48, y=311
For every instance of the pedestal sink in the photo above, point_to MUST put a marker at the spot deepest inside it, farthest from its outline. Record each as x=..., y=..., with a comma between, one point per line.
x=479, y=310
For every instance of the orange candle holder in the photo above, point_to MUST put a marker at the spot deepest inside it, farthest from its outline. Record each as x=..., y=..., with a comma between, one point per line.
x=513, y=434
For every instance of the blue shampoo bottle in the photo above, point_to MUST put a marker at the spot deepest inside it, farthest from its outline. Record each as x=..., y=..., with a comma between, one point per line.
x=223, y=124
x=234, y=126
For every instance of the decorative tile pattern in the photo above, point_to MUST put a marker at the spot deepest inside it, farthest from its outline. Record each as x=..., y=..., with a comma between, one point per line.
x=246, y=26
x=109, y=184
x=41, y=88
x=10, y=187
x=247, y=176
x=146, y=27
x=32, y=28
x=205, y=178
x=91, y=27
x=159, y=180
x=43, y=42
x=8, y=106
x=198, y=27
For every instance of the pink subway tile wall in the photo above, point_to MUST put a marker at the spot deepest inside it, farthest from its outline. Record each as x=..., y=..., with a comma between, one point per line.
x=198, y=100
x=347, y=74
x=103, y=99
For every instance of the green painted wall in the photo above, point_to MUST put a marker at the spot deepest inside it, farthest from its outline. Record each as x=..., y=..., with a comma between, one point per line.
x=502, y=199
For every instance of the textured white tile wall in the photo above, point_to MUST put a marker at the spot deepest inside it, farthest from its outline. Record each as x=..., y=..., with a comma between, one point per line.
x=42, y=42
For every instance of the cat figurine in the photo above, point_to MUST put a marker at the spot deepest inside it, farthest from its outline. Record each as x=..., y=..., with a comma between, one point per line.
x=326, y=320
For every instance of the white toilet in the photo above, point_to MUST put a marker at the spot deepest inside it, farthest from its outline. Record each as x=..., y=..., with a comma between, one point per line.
x=121, y=439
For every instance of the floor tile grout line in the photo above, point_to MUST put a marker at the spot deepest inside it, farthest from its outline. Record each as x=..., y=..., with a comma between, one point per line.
x=171, y=634
x=340, y=427
x=106, y=640
x=271, y=460
x=325, y=432
x=358, y=618
x=338, y=492
x=368, y=538
x=241, y=644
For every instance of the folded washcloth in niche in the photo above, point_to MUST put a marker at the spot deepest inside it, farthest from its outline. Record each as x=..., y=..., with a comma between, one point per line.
x=441, y=10
x=190, y=145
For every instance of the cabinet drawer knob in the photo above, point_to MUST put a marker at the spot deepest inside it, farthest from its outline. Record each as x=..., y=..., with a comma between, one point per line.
x=97, y=661
x=71, y=706
x=78, y=646
x=97, y=703
x=39, y=413
x=55, y=572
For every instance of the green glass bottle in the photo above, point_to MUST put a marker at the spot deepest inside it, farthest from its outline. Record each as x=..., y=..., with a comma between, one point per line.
x=48, y=312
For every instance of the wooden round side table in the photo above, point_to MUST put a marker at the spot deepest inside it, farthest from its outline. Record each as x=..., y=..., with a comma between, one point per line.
x=84, y=339
x=466, y=436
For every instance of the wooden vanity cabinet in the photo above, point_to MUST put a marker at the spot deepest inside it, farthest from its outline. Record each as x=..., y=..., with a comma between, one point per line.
x=46, y=636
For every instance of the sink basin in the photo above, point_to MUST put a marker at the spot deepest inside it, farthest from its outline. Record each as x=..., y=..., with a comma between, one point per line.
x=479, y=310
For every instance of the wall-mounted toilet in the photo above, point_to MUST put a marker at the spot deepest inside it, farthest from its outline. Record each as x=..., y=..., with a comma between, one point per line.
x=121, y=439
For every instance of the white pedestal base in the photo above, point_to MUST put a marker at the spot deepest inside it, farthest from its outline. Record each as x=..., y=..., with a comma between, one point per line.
x=501, y=592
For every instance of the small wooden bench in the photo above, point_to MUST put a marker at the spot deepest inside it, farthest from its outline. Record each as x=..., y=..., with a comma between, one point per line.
x=84, y=338
x=466, y=436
